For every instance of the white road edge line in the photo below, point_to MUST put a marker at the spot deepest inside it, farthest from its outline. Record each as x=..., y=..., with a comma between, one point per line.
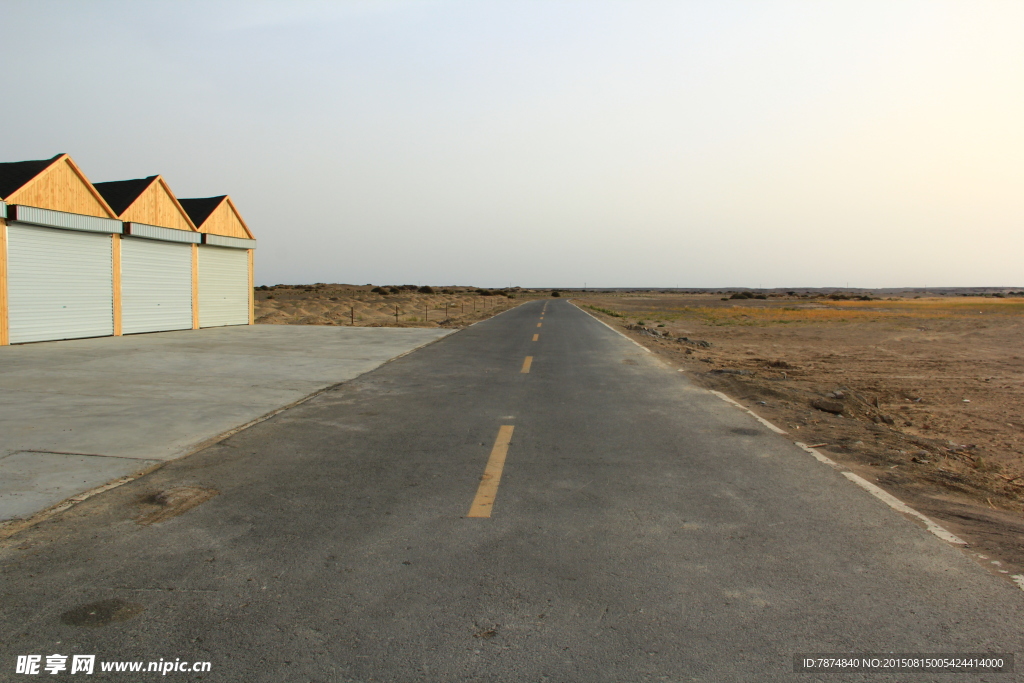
x=747, y=410
x=887, y=498
x=818, y=456
x=898, y=505
x=891, y=500
x=618, y=332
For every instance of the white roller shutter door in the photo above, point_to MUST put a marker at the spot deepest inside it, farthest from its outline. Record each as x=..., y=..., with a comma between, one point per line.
x=156, y=286
x=60, y=284
x=223, y=286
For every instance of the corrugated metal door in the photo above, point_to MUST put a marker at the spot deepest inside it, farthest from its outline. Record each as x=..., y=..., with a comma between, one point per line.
x=156, y=286
x=223, y=286
x=60, y=284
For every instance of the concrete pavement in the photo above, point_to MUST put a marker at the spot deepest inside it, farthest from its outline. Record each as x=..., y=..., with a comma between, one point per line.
x=636, y=528
x=76, y=414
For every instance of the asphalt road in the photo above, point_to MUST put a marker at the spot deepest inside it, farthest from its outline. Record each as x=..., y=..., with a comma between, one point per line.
x=641, y=529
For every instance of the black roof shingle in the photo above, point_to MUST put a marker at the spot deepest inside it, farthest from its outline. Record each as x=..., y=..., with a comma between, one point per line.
x=15, y=174
x=120, y=194
x=200, y=208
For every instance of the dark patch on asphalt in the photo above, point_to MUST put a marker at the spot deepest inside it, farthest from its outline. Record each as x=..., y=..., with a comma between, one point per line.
x=102, y=613
x=746, y=431
x=173, y=502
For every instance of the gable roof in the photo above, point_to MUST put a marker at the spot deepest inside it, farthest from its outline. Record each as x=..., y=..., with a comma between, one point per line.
x=200, y=208
x=217, y=216
x=121, y=193
x=146, y=200
x=16, y=174
x=56, y=184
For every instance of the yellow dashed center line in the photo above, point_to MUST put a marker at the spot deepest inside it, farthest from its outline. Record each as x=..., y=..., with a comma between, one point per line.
x=483, y=503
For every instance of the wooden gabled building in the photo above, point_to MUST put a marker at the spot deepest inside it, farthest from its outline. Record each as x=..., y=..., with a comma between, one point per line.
x=225, y=261
x=79, y=259
x=158, y=256
x=60, y=261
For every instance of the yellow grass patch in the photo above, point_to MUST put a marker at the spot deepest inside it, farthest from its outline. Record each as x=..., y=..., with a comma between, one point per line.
x=820, y=311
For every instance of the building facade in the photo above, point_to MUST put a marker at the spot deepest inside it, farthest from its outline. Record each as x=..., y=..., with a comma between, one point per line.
x=79, y=259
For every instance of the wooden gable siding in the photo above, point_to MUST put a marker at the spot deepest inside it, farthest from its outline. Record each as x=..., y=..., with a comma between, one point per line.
x=157, y=206
x=62, y=187
x=225, y=220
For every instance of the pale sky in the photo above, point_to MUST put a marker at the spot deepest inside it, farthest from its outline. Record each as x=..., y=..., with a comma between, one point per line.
x=548, y=143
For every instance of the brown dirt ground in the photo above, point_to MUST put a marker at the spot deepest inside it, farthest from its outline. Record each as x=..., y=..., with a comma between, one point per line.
x=325, y=304
x=931, y=391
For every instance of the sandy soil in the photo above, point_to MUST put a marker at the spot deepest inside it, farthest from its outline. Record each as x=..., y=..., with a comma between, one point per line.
x=325, y=304
x=927, y=394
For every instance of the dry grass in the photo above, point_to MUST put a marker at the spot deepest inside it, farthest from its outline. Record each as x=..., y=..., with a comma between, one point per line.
x=345, y=305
